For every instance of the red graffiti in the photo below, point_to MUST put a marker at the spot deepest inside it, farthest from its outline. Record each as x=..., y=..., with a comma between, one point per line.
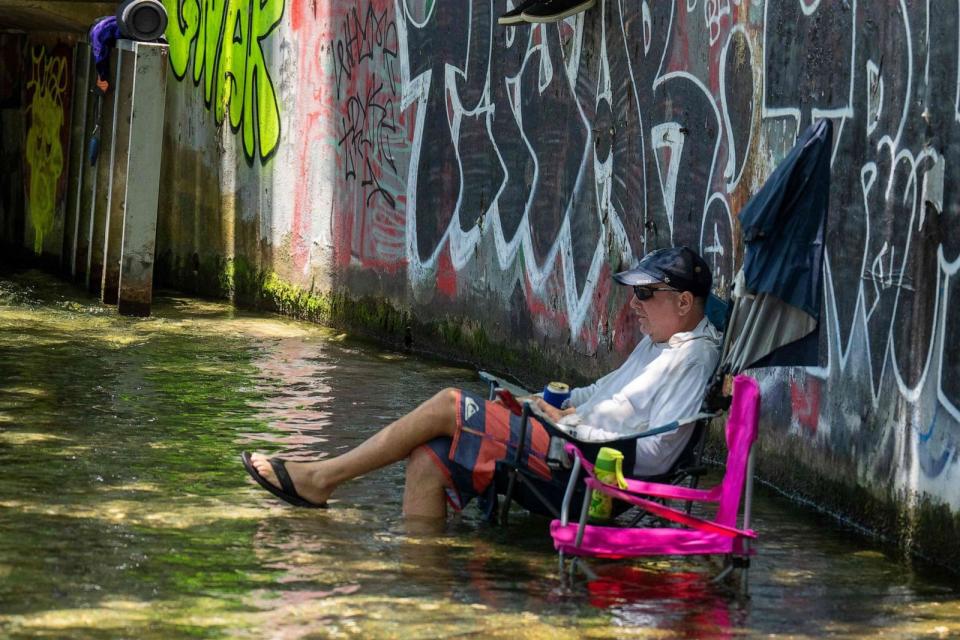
x=371, y=136
x=446, y=274
x=805, y=401
x=596, y=324
x=539, y=307
x=300, y=10
x=315, y=128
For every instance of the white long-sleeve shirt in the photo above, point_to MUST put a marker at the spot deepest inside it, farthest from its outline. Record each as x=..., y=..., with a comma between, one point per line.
x=660, y=382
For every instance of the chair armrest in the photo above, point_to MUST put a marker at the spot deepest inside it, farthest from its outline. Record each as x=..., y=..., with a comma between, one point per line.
x=655, y=489
x=676, y=424
x=670, y=426
x=573, y=450
x=672, y=491
x=669, y=513
x=494, y=381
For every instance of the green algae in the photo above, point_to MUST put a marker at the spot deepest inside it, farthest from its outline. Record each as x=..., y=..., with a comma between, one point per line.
x=99, y=495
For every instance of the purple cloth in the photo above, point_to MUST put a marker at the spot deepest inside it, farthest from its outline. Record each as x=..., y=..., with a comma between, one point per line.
x=103, y=36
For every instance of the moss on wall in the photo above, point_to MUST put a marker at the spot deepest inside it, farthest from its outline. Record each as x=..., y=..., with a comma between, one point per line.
x=449, y=338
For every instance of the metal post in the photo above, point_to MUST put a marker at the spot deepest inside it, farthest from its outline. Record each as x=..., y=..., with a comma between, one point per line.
x=748, y=492
x=143, y=177
x=568, y=494
x=747, y=505
x=85, y=185
x=120, y=135
x=98, y=210
x=584, y=510
x=82, y=64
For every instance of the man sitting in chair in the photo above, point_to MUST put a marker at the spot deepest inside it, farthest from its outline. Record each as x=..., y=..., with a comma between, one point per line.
x=453, y=441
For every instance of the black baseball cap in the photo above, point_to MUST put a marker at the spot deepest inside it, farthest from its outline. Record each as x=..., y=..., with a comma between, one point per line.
x=679, y=267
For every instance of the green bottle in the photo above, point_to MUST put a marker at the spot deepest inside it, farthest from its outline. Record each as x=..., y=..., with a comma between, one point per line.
x=608, y=470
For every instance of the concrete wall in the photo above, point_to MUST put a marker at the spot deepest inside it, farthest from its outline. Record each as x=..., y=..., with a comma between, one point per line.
x=412, y=168
x=35, y=100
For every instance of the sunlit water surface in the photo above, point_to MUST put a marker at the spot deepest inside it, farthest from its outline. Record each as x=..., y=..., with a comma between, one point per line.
x=124, y=511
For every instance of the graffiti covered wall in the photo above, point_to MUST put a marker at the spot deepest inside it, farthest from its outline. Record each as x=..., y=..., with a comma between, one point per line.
x=47, y=111
x=487, y=181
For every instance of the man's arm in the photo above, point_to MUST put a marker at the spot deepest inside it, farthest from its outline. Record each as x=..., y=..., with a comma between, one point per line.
x=103, y=37
x=551, y=411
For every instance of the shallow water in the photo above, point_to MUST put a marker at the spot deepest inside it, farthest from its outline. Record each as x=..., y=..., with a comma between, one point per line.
x=124, y=511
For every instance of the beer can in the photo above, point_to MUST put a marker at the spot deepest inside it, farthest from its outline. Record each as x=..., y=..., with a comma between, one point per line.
x=556, y=393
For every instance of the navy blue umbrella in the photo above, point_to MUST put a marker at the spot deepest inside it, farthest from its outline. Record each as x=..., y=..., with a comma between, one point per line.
x=777, y=294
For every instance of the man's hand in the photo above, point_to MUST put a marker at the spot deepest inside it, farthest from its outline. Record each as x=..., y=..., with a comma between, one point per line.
x=103, y=85
x=551, y=411
x=520, y=399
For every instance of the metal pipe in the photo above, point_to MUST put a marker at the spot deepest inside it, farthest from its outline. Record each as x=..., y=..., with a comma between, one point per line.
x=747, y=504
x=748, y=493
x=568, y=494
x=588, y=494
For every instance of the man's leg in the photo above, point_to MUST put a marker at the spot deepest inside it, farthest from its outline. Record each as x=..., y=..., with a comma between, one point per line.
x=424, y=492
x=315, y=481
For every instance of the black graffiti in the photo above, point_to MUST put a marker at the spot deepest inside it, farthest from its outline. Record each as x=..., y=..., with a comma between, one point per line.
x=367, y=86
x=519, y=121
x=890, y=78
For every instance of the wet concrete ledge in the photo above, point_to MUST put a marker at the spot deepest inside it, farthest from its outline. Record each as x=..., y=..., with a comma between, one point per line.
x=913, y=524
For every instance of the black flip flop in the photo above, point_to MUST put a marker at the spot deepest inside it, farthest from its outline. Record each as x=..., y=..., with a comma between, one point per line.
x=287, y=493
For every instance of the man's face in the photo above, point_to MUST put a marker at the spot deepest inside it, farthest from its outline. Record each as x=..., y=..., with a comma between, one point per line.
x=660, y=314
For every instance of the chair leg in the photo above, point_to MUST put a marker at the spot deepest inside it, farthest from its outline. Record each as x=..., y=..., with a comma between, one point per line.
x=508, y=498
x=580, y=563
x=694, y=481
x=521, y=443
x=525, y=481
x=518, y=476
x=743, y=564
x=732, y=563
x=727, y=569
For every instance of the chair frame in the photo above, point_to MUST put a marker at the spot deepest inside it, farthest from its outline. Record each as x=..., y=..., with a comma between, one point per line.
x=737, y=559
x=734, y=561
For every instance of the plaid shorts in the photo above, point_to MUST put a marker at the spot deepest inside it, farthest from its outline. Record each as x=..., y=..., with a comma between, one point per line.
x=486, y=433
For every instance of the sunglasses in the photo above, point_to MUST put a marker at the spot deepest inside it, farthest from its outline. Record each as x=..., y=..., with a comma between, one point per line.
x=643, y=292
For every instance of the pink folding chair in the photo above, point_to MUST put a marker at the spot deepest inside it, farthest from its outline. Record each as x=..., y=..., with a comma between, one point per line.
x=696, y=535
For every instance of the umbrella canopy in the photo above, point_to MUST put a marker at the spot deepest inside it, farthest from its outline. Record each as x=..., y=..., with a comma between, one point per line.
x=776, y=297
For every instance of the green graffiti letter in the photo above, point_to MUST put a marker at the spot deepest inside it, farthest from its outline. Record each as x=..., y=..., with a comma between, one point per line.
x=226, y=37
x=259, y=89
x=181, y=31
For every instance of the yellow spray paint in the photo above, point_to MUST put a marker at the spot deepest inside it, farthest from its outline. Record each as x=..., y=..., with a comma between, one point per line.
x=44, y=151
x=226, y=38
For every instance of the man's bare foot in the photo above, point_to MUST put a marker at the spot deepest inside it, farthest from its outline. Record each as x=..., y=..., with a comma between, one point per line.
x=306, y=477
